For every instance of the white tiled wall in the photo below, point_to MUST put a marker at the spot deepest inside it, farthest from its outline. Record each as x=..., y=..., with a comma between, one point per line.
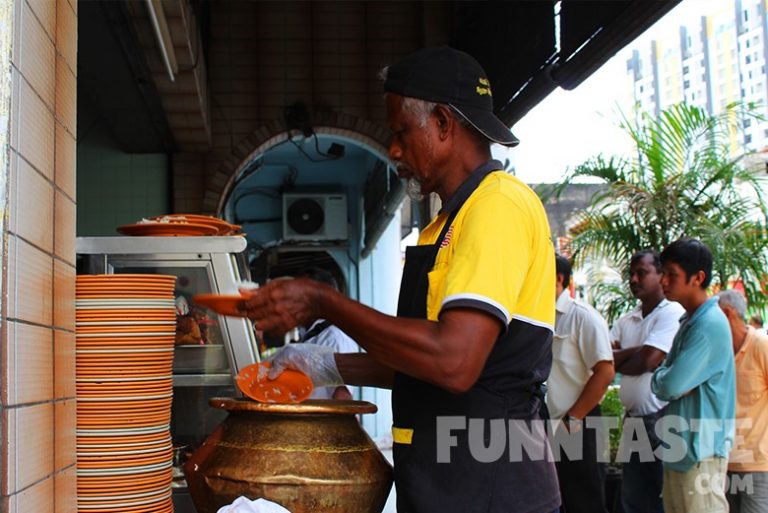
x=37, y=352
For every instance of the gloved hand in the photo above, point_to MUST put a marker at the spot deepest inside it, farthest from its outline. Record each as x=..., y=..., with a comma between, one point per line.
x=317, y=362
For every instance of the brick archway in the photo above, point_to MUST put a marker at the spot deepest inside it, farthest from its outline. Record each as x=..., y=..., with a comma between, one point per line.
x=347, y=126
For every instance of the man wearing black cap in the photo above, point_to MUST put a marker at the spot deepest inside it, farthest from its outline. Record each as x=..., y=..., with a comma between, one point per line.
x=472, y=342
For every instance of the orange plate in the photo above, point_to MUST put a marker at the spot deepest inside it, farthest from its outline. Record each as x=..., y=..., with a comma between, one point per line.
x=146, y=481
x=124, y=294
x=167, y=229
x=222, y=226
x=123, y=340
x=124, y=315
x=120, y=279
x=291, y=386
x=130, y=276
x=117, y=328
x=221, y=304
x=121, y=315
x=85, y=442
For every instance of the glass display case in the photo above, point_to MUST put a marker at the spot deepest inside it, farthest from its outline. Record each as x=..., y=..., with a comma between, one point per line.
x=210, y=349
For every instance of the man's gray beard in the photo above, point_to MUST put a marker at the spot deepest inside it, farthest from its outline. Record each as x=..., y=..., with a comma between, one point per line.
x=413, y=189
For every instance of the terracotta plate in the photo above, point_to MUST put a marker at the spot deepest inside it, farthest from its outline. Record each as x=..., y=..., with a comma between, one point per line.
x=291, y=386
x=222, y=227
x=126, y=276
x=167, y=229
x=221, y=304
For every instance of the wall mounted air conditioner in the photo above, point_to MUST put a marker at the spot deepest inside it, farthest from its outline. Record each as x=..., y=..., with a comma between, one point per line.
x=314, y=217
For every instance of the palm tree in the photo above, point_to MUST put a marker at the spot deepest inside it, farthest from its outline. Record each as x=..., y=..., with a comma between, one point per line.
x=683, y=181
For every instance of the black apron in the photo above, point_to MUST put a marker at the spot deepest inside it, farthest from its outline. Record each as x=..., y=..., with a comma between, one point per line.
x=510, y=387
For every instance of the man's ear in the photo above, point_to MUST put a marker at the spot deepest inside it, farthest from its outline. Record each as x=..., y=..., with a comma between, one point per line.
x=445, y=120
x=698, y=278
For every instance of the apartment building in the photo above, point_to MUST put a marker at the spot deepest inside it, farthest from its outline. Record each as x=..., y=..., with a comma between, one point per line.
x=711, y=60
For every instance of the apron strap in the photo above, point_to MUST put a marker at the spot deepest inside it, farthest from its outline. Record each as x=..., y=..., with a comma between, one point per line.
x=315, y=331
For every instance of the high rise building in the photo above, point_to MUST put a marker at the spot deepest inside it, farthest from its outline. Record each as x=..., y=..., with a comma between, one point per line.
x=715, y=59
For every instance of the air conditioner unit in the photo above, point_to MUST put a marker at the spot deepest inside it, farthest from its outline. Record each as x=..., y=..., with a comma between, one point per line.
x=314, y=216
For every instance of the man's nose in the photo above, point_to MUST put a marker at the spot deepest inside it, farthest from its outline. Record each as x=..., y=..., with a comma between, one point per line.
x=395, y=153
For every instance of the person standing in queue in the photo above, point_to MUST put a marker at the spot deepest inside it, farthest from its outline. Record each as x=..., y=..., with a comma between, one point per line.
x=698, y=379
x=748, y=462
x=643, y=338
x=472, y=341
x=582, y=370
x=757, y=322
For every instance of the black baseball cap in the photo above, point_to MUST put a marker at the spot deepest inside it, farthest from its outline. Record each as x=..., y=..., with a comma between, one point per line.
x=452, y=77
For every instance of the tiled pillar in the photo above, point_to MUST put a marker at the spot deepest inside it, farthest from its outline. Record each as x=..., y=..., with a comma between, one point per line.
x=38, y=52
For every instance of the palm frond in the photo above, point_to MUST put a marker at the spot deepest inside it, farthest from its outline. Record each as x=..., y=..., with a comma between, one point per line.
x=682, y=181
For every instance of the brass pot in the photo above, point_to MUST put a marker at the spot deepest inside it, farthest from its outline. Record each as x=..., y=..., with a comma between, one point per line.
x=311, y=457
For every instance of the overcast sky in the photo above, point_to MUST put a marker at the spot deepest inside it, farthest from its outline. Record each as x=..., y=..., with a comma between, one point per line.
x=568, y=127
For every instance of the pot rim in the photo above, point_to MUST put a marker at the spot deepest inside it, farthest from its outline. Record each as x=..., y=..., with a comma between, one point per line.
x=330, y=406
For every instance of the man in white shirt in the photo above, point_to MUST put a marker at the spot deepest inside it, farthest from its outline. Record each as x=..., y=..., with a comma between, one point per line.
x=582, y=369
x=642, y=338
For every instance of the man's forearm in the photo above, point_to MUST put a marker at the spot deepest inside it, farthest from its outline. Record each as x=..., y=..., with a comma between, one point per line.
x=361, y=369
x=622, y=355
x=593, y=390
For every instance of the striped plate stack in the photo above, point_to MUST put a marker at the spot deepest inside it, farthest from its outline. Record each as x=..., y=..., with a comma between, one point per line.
x=125, y=332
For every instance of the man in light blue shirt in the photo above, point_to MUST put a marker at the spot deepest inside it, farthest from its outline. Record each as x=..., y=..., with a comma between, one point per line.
x=698, y=380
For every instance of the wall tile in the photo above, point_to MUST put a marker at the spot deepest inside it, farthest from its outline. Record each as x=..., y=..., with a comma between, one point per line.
x=28, y=376
x=29, y=458
x=65, y=491
x=64, y=236
x=66, y=159
x=65, y=439
x=15, y=108
x=33, y=276
x=45, y=10
x=33, y=224
x=64, y=364
x=12, y=278
x=66, y=95
x=66, y=33
x=13, y=187
x=36, y=130
x=7, y=347
x=38, y=56
x=37, y=498
x=63, y=295
x=18, y=8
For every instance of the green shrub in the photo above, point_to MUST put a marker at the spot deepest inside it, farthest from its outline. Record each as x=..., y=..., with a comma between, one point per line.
x=611, y=407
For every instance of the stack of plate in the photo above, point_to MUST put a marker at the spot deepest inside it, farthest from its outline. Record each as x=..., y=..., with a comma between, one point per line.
x=126, y=325
x=180, y=225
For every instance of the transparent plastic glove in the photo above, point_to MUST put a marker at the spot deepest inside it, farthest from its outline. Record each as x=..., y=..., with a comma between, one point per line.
x=317, y=362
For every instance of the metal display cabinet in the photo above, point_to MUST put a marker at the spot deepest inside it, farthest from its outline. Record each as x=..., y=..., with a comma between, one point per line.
x=203, y=367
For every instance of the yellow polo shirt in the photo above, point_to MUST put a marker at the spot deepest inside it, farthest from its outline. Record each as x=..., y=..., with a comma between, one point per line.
x=750, y=452
x=497, y=256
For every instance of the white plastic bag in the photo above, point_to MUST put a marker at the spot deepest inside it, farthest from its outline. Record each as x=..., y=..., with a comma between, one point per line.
x=245, y=505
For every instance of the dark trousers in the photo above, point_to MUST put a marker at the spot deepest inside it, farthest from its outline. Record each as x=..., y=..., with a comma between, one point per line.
x=582, y=481
x=642, y=482
x=641, y=485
